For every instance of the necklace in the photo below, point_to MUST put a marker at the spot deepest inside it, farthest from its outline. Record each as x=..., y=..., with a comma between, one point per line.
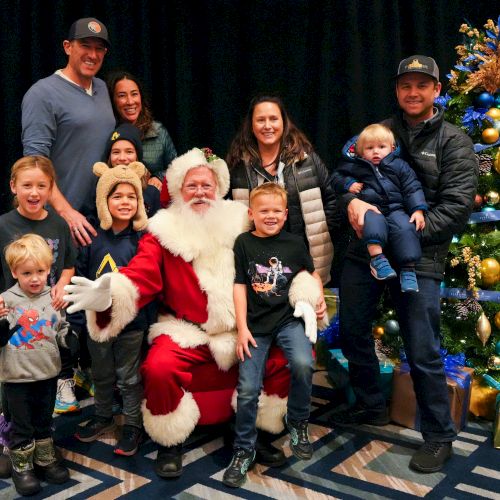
x=269, y=164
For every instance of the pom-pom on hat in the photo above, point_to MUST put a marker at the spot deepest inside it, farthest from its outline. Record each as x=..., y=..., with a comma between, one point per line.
x=125, y=132
x=196, y=157
x=109, y=178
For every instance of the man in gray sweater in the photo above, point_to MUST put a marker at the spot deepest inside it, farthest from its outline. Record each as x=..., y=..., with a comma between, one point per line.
x=68, y=117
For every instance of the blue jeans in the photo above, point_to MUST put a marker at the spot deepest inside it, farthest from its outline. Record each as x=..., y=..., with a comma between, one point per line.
x=419, y=317
x=298, y=351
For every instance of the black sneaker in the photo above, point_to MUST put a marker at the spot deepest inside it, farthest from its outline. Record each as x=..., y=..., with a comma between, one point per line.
x=356, y=415
x=431, y=456
x=236, y=473
x=299, y=438
x=94, y=428
x=130, y=441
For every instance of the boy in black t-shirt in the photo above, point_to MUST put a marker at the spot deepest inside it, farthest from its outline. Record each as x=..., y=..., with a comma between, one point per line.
x=266, y=261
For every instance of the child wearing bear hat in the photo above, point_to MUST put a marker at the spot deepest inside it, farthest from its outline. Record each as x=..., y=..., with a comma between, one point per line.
x=120, y=208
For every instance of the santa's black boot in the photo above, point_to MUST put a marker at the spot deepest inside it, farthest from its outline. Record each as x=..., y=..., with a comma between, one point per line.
x=168, y=462
x=266, y=453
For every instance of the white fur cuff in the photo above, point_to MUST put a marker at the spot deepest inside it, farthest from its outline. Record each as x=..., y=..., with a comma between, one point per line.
x=174, y=427
x=306, y=288
x=124, y=296
x=270, y=412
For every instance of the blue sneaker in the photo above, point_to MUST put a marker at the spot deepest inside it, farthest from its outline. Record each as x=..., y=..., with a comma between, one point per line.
x=408, y=281
x=381, y=269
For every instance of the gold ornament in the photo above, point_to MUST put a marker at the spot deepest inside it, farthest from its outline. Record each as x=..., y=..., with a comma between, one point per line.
x=491, y=198
x=490, y=271
x=494, y=113
x=483, y=329
x=496, y=164
x=490, y=135
x=497, y=320
x=378, y=331
x=494, y=363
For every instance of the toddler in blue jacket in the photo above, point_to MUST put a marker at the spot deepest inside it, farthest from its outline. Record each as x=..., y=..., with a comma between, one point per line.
x=372, y=169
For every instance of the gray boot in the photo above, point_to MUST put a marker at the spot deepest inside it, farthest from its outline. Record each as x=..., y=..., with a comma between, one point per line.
x=23, y=475
x=47, y=466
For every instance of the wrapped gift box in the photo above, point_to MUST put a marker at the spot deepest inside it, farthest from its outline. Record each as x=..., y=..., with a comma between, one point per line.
x=482, y=400
x=404, y=409
x=338, y=372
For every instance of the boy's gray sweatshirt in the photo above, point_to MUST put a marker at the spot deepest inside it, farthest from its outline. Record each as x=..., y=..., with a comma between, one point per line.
x=32, y=353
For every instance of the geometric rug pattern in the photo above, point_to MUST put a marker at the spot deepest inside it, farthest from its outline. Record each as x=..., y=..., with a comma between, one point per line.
x=364, y=463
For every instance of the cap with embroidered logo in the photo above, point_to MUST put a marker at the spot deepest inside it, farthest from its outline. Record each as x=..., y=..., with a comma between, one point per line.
x=88, y=27
x=419, y=64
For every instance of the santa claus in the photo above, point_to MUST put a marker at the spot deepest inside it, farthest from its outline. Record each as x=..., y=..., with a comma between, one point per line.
x=185, y=261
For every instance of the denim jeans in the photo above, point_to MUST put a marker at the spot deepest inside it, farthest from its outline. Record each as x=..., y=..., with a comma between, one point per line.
x=419, y=318
x=298, y=351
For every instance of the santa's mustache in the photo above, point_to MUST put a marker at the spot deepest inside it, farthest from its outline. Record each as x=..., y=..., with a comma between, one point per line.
x=194, y=201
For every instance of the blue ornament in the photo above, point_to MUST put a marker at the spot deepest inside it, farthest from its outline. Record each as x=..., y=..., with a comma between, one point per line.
x=488, y=209
x=391, y=327
x=469, y=363
x=497, y=347
x=484, y=100
x=497, y=100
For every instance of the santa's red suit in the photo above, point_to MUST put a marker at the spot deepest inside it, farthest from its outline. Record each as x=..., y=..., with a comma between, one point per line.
x=186, y=262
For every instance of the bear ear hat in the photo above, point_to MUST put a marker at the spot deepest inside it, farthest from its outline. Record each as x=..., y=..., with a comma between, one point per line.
x=138, y=168
x=109, y=178
x=99, y=168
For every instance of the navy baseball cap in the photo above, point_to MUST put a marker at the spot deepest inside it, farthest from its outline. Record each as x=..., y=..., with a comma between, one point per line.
x=88, y=27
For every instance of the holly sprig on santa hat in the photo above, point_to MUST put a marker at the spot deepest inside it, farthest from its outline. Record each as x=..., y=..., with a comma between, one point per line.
x=209, y=155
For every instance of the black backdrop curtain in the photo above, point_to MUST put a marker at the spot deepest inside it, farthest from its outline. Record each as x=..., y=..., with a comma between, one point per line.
x=201, y=61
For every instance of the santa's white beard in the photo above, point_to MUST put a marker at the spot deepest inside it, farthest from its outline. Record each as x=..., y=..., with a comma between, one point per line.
x=202, y=224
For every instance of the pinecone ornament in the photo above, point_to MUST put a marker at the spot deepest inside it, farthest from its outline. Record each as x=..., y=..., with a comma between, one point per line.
x=485, y=163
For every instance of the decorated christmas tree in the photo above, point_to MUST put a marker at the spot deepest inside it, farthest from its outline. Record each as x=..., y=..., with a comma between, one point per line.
x=471, y=289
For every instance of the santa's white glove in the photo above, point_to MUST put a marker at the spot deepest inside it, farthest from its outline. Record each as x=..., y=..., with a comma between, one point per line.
x=306, y=312
x=89, y=295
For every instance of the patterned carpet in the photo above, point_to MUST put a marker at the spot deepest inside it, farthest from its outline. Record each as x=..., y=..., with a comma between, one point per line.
x=365, y=462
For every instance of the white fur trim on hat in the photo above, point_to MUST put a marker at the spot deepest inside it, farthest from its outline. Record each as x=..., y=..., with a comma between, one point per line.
x=124, y=296
x=180, y=166
x=109, y=178
x=174, y=427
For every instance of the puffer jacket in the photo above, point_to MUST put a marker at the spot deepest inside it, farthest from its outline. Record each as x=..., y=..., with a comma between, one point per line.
x=391, y=185
x=311, y=204
x=443, y=158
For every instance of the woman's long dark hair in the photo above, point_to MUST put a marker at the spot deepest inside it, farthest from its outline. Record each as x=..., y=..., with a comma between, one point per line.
x=244, y=146
x=145, y=118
